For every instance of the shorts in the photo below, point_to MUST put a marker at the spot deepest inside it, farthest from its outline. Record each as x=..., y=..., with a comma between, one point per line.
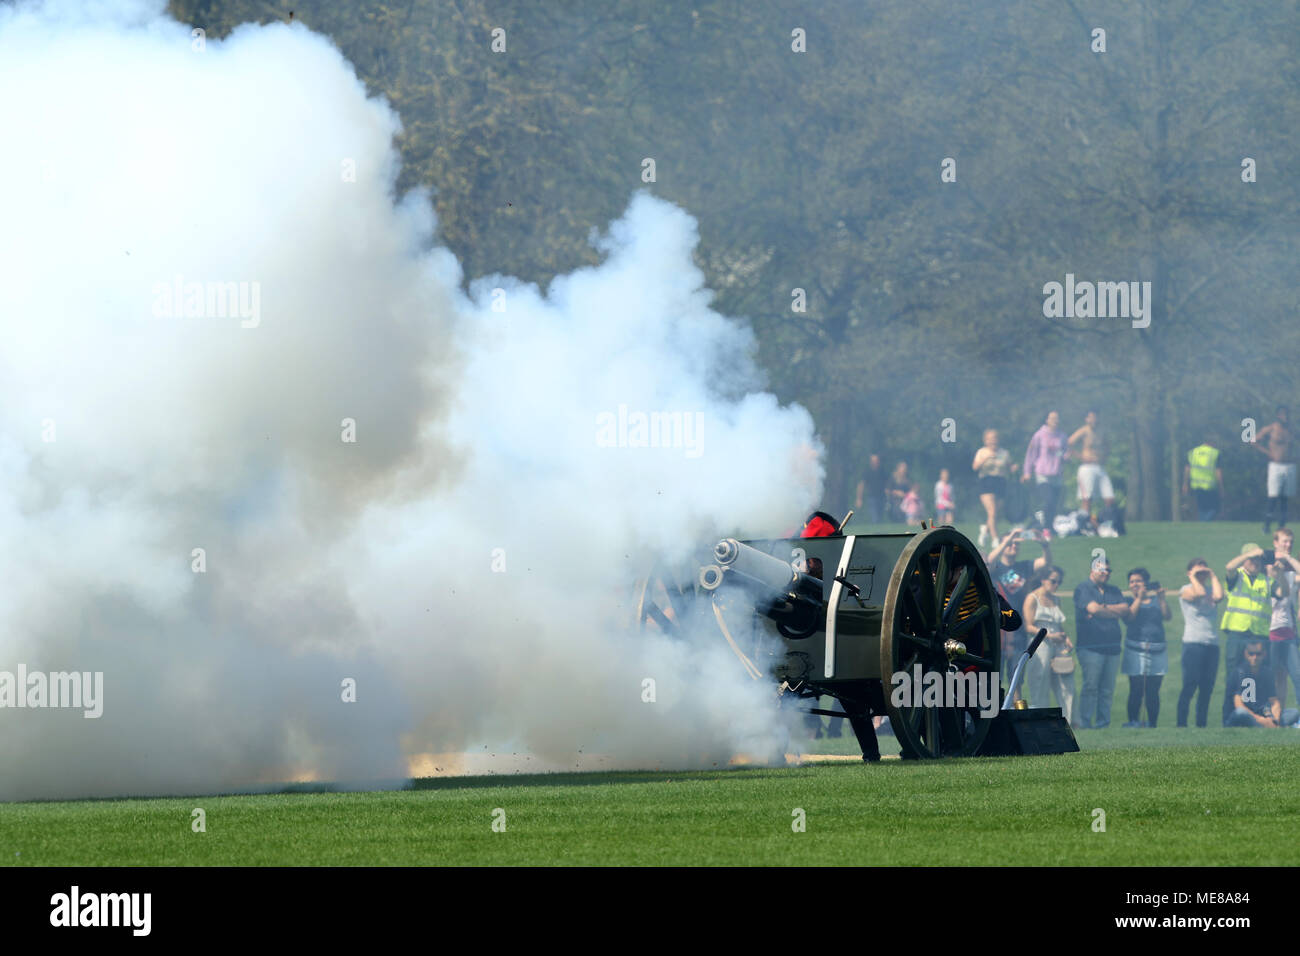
x=1145, y=663
x=1281, y=479
x=1094, y=482
x=993, y=485
x=1281, y=641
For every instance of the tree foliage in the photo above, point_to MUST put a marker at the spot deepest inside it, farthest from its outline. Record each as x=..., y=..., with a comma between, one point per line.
x=820, y=170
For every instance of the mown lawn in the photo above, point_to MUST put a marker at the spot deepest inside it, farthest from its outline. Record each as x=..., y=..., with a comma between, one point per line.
x=1226, y=803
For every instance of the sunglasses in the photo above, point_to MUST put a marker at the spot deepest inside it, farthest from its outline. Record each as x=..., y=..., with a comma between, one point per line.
x=1254, y=653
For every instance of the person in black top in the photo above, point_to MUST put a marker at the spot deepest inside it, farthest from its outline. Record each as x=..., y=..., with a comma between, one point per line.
x=1098, y=608
x=895, y=491
x=1251, y=700
x=871, y=489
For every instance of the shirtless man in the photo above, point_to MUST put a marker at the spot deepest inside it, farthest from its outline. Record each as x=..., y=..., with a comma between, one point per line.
x=1093, y=479
x=1274, y=441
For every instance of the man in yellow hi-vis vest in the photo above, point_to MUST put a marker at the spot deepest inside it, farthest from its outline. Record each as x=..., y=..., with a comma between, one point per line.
x=1203, y=477
x=1249, y=607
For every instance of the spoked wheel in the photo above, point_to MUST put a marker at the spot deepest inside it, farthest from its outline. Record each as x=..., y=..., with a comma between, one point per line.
x=940, y=612
x=669, y=600
x=666, y=598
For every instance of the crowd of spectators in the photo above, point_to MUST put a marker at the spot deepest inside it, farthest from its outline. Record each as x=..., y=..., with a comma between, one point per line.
x=892, y=496
x=1124, y=632
x=1250, y=616
x=896, y=496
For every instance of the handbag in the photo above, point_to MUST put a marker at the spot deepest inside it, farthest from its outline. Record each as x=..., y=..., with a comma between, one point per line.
x=1063, y=664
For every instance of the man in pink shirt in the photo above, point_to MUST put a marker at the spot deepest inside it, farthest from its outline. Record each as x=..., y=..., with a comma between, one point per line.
x=1043, y=462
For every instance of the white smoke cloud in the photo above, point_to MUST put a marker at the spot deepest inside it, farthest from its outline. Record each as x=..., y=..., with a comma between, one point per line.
x=133, y=431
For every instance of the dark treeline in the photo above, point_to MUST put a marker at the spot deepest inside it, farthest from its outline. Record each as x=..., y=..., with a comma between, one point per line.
x=821, y=171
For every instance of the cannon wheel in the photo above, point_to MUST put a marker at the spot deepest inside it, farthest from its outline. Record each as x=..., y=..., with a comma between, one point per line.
x=940, y=591
x=670, y=596
x=665, y=598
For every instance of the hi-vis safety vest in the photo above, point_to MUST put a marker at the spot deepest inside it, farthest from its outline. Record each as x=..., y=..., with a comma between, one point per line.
x=1203, y=459
x=1249, y=608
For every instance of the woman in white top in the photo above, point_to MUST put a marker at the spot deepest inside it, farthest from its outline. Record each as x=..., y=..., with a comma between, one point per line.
x=992, y=464
x=1199, y=600
x=1043, y=610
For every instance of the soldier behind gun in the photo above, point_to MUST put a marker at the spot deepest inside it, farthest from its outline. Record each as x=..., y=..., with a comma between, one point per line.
x=820, y=525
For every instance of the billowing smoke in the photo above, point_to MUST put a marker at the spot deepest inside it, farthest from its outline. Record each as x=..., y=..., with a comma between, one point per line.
x=259, y=452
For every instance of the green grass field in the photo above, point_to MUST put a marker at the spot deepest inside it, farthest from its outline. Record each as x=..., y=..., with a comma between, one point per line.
x=1231, y=801
x=1171, y=797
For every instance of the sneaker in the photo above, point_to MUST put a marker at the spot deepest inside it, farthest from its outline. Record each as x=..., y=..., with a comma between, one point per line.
x=1132, y=723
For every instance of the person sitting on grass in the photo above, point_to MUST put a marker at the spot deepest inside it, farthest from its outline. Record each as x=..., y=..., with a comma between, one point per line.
x=1253, y=701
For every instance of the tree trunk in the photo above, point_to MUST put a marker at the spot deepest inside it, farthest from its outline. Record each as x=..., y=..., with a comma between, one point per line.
x=1132, y=505
x=1175, y=461
x=1147, y=496
x=1147, y=501
x=841, y=469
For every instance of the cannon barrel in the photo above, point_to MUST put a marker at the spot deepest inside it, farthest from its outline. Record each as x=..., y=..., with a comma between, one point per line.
x=779, y=587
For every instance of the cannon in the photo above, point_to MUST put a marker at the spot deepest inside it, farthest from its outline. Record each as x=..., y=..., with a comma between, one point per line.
x=901, y=624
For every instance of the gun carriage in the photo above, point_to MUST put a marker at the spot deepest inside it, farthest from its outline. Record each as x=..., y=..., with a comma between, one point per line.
x=841, y=615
